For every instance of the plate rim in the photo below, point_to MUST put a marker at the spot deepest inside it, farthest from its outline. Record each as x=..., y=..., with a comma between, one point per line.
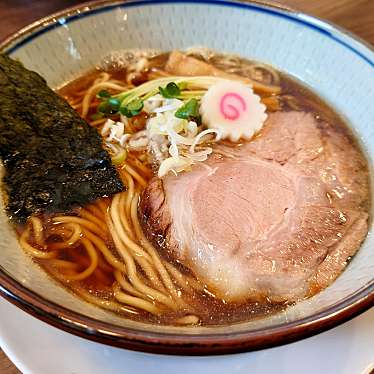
x=57, y=339
x=173, y=343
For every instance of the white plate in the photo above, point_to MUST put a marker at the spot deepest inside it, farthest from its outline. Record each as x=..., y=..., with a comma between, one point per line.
x=38, y=348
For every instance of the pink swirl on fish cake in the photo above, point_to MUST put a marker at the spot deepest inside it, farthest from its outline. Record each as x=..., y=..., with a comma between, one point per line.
x=231, y=105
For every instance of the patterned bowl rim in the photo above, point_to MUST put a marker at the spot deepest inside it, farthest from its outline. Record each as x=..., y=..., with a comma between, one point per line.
x=177, y=343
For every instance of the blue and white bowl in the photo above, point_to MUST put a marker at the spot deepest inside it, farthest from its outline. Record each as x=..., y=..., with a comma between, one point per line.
x=335, y=64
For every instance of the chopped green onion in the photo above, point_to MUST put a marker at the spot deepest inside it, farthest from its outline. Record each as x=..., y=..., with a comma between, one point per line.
x=188, y=87
x=189, y=111
x=114, y=103
x=109, y=106
x=104, y=108
x=124, y=111
x=135, y=105
x=97, y=116
x=103, y=94
x=119, y=158
x=170, y=91
x=133, y=108
x=182, y=85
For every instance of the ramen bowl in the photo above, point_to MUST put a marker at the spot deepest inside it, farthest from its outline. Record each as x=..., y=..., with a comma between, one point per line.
x=333, y=63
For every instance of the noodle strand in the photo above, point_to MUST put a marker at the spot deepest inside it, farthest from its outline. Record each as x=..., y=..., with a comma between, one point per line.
x=94, y=261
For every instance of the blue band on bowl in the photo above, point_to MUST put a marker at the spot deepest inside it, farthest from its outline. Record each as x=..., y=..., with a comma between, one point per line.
x=312, y=23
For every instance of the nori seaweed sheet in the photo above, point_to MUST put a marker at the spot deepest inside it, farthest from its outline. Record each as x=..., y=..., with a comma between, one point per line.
x=53, y=159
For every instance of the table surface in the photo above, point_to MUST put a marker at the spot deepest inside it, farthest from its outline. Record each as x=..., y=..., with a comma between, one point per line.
x=355, y=15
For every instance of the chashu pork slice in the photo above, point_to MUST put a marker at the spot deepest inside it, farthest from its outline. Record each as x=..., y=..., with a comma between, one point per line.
x=260, y=224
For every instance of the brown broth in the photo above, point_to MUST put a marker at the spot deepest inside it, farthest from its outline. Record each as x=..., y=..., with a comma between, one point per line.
x=210, y=310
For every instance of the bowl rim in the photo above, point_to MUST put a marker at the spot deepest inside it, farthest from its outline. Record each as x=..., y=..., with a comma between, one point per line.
x=177, y=343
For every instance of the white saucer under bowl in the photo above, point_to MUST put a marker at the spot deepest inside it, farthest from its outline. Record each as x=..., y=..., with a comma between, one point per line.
x=37, y=348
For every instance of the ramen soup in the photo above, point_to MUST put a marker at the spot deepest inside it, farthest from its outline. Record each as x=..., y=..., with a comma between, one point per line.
x=243, y=191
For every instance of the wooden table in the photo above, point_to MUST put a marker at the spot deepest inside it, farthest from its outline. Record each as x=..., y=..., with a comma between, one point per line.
x=355, y=15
